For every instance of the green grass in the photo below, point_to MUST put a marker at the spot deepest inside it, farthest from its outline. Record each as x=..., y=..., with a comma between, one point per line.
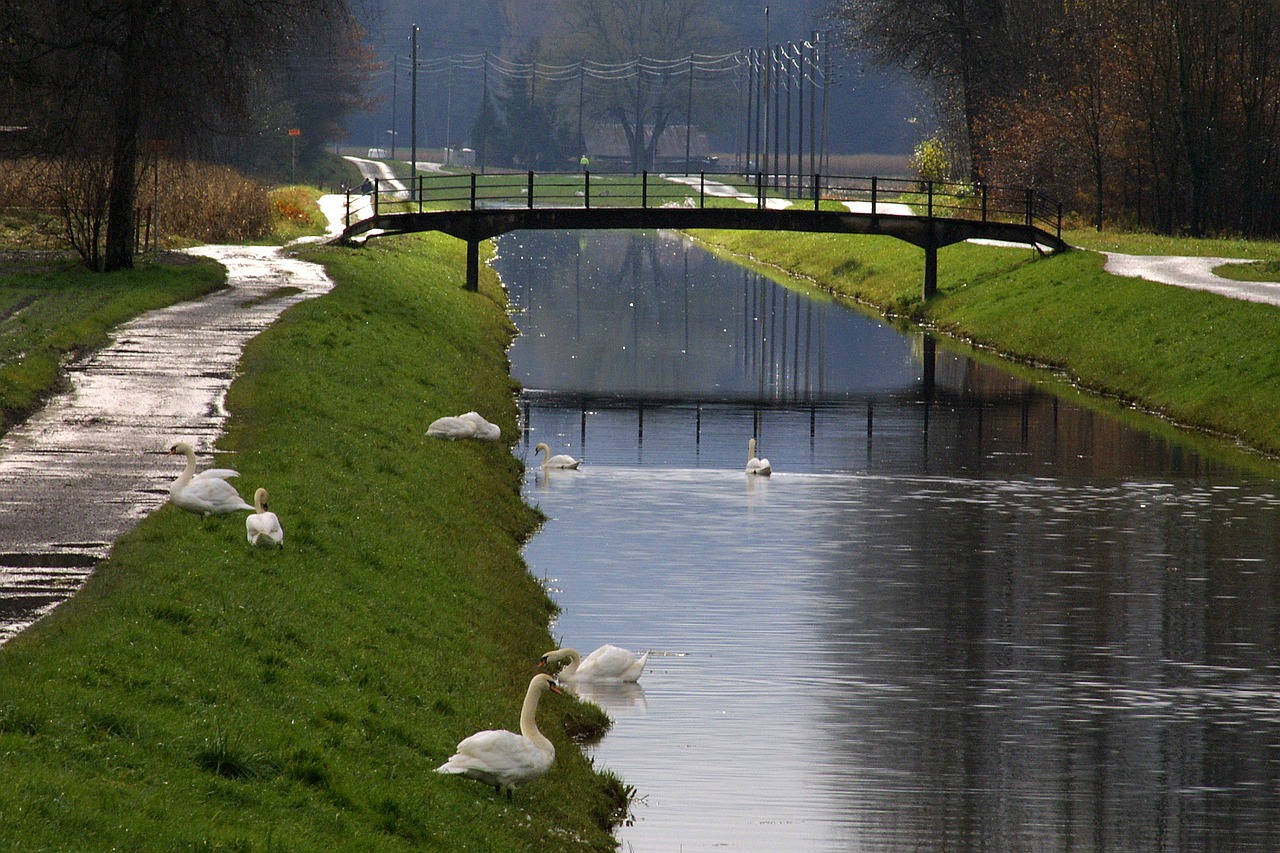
x=201, y=695
x=1200, y=360
x=53, y=310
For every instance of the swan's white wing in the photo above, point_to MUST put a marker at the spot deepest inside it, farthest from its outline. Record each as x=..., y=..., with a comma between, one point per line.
x=452, y=428
x=263, y=528
x=485, y=430
x=611, y=663
x=210, y=495
x=499, y=757
x=563, y=460
x=218, y=473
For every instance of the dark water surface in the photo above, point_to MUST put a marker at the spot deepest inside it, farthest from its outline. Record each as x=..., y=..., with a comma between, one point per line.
x=962, y=614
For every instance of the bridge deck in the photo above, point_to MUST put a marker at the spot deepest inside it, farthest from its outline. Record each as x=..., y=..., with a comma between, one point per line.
x=927, y=216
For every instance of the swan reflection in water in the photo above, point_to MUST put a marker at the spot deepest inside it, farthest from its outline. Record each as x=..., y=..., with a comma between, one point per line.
x=617, y=698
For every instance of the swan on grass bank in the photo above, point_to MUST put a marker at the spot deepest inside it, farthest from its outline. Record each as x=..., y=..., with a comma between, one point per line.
x=207, y=493
x=607, y=663
x=469, y=425
x=262, y=526
x=505, y=759
x=560, y=460
x=754, y=465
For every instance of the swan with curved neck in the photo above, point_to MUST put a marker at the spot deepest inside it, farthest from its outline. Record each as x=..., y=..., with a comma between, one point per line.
x=207, y=493
x=607, y=663
x=263, y=526
x=754, y=465
x=560, y=460
x=505, y=759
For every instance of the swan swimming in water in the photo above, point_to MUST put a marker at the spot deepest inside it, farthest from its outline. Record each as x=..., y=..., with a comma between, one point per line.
x=262, y=526
x=607, y=663
x=505, y=759
x=560, y=460
x=754, y=465
x=208, y=493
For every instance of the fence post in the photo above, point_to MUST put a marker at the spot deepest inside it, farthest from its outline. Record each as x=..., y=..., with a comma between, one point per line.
x=375, y=195
x=1030, y=205
x=702, y=190
x=473, y=190
x=874, y=181
x=586, y=188
x=983, y=187
x=644, y=188
x=817, y=196
x=930, y=186
x=759, y=190
x=421, y=190
x=346, y=216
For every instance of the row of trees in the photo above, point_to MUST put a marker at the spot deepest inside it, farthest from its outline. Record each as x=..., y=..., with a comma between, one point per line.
x=104, y=87
x=1160, y=113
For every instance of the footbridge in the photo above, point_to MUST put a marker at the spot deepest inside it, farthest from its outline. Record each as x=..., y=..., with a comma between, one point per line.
x=927, y=214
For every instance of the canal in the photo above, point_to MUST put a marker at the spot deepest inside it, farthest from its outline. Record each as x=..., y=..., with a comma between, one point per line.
x=963, y=613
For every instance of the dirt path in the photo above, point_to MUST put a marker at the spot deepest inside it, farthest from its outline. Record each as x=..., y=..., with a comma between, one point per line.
x=87, y=467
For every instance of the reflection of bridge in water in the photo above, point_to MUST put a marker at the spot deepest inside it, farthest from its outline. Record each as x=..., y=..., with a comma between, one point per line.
x=927, y=214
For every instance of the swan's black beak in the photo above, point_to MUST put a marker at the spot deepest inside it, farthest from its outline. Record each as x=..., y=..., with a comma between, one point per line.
x=542, y=662
x=555, y=687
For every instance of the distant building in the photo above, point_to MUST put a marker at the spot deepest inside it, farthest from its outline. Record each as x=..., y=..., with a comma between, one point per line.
x=608, y=149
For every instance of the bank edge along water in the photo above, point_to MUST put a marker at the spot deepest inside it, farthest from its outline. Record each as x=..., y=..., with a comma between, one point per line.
x=199, y=692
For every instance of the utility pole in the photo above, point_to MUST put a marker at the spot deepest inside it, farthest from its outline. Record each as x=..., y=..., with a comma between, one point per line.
x=688, y=117
x=413, y=118
x=768, y=75
x=395, y=62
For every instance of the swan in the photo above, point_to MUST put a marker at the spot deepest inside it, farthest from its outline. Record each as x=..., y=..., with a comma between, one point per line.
x=505, y=759
x=607, y=663
x=754, y=465
x=262, y=526
x=452, y=428
x=560, y=460
x=485, y=431
x=207, y=494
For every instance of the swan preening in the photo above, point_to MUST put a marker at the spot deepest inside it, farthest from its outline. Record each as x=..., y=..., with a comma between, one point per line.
x=469, y=425
x=607, y=663
x=505, y=759
x=754, y=465
x=262, y=526
x=560, y=460
x=207, y=493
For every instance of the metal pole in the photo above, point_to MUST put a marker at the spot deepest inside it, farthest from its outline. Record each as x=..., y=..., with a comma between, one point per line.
x=413, y=112
x=395, y=62
x=688, y=117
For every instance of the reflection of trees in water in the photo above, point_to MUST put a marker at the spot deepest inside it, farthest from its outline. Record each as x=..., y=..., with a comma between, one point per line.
x=640, y=313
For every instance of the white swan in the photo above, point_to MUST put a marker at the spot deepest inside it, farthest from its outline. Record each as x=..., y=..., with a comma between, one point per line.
x=607, y=663
x=560, y=460
x=505, y=759
x=485, y=431
x=452, y=428
x=207, y=494
x=262, y=526
x=754, y=465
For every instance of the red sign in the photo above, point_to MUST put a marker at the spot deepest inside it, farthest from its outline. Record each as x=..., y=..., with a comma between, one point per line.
x=293, y=131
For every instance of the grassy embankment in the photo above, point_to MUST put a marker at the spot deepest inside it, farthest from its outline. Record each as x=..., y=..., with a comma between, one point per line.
x=200, y=695
x=1198, y=359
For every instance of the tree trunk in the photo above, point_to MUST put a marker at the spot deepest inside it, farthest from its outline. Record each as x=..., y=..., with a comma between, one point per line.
x=122, y=198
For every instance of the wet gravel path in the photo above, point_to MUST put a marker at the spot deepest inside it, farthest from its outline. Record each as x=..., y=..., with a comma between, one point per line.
x=87, y=467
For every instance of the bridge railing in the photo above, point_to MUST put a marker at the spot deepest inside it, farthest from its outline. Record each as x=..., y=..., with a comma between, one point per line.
x=873, y=195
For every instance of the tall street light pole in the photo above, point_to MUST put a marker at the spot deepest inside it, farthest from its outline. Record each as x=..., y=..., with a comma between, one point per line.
x=413, y=116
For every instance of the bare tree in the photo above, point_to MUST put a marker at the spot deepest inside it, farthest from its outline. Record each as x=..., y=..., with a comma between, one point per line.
x=105, y=77
x=649, y=100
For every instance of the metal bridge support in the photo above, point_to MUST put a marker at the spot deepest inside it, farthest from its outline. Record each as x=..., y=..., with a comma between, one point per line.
x=473, y=265
x=930, y=270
